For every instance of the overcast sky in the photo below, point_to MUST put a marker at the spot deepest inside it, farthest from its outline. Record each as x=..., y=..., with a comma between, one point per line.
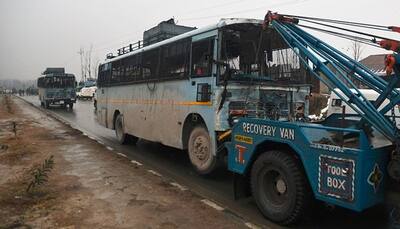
x=35, y=34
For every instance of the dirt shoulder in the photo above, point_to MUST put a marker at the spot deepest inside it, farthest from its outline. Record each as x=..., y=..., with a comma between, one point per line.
x=89, y=186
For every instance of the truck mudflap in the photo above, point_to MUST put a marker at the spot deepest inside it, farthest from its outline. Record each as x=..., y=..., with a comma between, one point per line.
x=343, y=172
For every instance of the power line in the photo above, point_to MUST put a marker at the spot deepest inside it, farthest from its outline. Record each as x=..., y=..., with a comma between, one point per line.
x=293, y=2
x=213, y=7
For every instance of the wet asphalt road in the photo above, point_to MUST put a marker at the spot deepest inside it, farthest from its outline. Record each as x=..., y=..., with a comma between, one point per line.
x=175, y=164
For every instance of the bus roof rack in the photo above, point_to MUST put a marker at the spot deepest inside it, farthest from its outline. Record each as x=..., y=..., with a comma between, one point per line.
x=130, y=48
x=110, y=55
x=164, y=30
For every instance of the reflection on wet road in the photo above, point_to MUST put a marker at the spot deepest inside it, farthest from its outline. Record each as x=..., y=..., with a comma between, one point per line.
x=175, y=164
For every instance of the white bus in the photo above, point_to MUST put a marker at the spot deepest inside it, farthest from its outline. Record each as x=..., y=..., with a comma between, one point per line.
x=187, y=91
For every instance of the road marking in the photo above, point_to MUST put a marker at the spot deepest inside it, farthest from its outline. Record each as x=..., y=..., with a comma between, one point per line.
x=136, y=163
x=94, y=139
x=100, y=142
x=84, y=134
x=252, y=226
x=181, y=187
x=110, y=148
x=154, y=173
x=122, y=155
x=212, y=204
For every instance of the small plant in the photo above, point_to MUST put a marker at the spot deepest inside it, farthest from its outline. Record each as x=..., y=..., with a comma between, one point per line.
x=40, y=175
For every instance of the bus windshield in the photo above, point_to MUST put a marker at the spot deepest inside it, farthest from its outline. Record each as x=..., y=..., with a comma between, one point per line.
x=56, y=81
x=261, y=55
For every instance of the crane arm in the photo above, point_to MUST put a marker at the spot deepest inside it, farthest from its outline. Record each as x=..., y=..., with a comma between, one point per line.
x=335, y=66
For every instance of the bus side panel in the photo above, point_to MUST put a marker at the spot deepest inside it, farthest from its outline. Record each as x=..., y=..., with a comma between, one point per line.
x=157, y=112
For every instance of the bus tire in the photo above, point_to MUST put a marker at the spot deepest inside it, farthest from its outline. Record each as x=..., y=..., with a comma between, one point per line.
x=279, y=186
x=122, y=137
x=199, y=149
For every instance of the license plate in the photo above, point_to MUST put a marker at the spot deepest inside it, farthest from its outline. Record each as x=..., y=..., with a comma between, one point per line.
x=336, y=177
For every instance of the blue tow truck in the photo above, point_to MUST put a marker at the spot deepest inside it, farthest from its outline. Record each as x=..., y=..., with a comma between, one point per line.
x=344, y=160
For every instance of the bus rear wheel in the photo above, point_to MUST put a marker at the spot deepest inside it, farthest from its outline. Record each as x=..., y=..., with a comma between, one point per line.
x=200, y=153
x=123, y=137
x=279, y=187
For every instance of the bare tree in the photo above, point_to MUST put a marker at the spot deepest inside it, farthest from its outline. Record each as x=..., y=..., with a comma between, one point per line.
x=356, y=49
x=88, y=63
x=81, y=54
x=89, y=68
x=96, y=64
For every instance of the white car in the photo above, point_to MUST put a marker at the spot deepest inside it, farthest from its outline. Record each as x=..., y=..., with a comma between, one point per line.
x=336, y=105
x=87, y=92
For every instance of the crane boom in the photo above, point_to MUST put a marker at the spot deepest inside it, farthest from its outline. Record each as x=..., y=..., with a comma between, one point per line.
x=335, y=66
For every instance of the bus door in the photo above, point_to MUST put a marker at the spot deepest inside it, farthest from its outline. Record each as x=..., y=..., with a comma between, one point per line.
x=202, y=73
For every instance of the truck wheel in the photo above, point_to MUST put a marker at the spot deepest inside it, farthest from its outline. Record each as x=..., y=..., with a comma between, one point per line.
x=199, y=148
x=279, y=187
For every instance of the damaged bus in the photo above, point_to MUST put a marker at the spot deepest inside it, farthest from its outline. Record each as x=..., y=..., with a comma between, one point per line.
x=189, y=90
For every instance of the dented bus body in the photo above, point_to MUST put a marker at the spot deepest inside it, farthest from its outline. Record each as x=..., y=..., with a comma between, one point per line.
x=188, y=91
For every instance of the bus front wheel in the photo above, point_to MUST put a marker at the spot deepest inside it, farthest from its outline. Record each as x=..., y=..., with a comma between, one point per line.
x=200, y=153
x=279, y=187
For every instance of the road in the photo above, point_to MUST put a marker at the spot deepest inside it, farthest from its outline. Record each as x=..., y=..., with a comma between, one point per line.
x=175, y=164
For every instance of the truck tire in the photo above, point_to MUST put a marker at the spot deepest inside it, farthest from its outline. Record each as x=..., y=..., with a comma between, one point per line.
x=280, y=188
x=200, y=153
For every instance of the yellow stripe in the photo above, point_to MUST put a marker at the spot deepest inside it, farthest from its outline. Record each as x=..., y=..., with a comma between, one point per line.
x=154, y=102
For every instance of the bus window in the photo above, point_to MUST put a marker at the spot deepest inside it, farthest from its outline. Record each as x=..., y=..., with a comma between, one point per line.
x=260, y=55
x=117, y=72
x=201, y=53
x=104, y=75
x=132, y=68
x=150, y=64
x=60, y=81
x=175, y=59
